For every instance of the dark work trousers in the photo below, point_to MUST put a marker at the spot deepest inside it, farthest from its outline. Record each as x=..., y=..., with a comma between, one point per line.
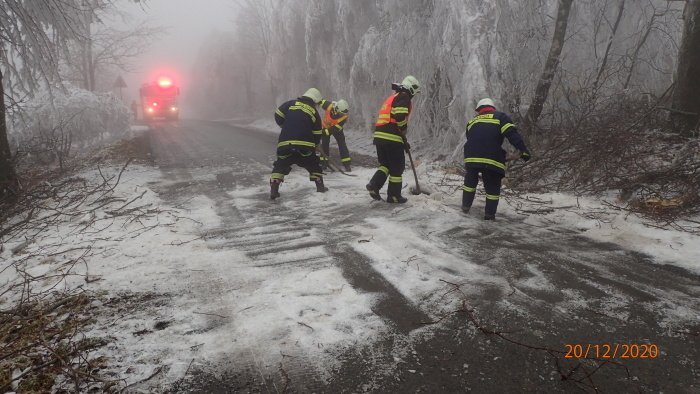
x=303, y=157
x=492, y=186
x=391, y=165
x=342, y=146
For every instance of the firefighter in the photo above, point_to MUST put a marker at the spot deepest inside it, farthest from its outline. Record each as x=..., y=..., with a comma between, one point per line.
x=333, y=122
x=390, y=140
x=483, y=154
x=300, y=135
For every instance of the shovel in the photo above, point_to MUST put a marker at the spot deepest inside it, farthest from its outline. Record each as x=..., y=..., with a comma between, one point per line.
x=331, y=165
x=415, y=190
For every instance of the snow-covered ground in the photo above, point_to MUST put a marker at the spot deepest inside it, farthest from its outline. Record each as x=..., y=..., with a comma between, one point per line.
x=234, y=278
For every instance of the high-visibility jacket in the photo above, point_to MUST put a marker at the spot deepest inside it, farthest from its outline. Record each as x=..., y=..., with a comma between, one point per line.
x=300, y=122
x=485, y=135
x=330, y=124
x=392, y=121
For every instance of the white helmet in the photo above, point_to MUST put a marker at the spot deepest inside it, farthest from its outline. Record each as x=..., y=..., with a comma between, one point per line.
x=487, y=102
x=314, y=95
x=411, y=84
x=341, y=106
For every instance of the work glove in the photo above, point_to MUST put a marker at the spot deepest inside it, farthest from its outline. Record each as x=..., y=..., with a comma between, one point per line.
x=406, y=146
x=326, y=132
x=525, y=156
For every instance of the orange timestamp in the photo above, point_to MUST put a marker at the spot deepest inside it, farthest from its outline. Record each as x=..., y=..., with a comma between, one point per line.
x=612, y=350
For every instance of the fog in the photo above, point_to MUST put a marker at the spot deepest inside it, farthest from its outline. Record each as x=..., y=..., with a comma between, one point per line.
x=186, y=24
x=461, y=51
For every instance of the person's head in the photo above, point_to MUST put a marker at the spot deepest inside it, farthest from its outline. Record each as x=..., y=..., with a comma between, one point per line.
x=341, y=107
x=411, y=85
x=314, y=95
x=485, y=104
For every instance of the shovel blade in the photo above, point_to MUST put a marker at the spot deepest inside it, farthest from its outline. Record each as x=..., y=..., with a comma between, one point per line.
x=417, y=191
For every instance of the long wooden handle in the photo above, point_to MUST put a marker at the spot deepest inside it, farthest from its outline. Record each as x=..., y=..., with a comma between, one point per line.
x=415, y=176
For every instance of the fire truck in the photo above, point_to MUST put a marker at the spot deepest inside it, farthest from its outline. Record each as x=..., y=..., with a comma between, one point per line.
x=159, y=99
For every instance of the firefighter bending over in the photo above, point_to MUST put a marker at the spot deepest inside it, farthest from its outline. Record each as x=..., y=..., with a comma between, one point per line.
x=390, y=140
x=483, y=154
x=301, y=133
x=335, y=118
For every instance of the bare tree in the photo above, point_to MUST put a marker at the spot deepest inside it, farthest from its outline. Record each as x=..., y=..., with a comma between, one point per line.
x=255, y=22
x=550, y=67
x=100, y=47
x=606, y=56
x=686, y=97
x=8, y=177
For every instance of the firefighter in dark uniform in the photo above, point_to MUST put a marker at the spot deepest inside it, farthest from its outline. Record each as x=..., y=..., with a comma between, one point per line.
x=390, y=140
x=483, y=154
x=333, y=122
x=301, y=133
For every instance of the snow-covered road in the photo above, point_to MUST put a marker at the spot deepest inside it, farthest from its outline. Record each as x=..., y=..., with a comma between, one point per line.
x=335, y=293
x=315, y=282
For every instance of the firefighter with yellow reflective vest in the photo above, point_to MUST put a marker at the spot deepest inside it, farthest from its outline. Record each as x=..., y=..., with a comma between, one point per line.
x=390, y=140
x=301, y=133
x=333, y=122
x=483, y=154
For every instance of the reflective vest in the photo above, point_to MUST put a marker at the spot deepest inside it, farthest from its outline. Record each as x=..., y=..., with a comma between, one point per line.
x=328, y=120
x=387, y=127
x=385, y=112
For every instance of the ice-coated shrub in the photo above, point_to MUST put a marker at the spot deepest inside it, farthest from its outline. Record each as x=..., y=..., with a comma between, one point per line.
x=73, y=115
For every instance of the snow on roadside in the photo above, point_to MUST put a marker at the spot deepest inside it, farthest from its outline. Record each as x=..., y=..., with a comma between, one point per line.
x=589, y=216
x=665, y=246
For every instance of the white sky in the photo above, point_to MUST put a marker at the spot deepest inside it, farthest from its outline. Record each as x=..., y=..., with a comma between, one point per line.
x=188, y=23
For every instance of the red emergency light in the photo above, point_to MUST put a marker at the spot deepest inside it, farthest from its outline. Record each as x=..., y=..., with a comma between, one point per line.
x=165, y=82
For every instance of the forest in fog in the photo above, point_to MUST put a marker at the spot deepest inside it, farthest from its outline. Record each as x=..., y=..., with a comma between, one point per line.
x=461, y=51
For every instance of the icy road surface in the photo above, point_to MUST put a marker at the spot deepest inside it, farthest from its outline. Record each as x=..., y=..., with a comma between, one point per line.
x=335, y=293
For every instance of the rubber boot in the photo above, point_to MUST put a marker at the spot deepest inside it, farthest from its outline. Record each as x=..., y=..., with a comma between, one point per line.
x=393, y=194
x=274, y=188
x=320, y=188
x=467, y=200
x=347, y=167
x=373, y=192
x=396, y=200
x=489, y=217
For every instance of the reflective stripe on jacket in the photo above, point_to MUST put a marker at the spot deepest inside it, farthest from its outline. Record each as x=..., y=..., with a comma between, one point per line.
x=393, y=118
x=485, y=135
x=300, y=123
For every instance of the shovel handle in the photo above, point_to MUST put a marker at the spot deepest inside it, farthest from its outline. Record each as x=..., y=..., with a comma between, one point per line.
x=415, y=176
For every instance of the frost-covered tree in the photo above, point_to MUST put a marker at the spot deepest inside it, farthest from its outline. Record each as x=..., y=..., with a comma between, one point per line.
x=31, y=35
x=34, y=36
x=462, y=51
